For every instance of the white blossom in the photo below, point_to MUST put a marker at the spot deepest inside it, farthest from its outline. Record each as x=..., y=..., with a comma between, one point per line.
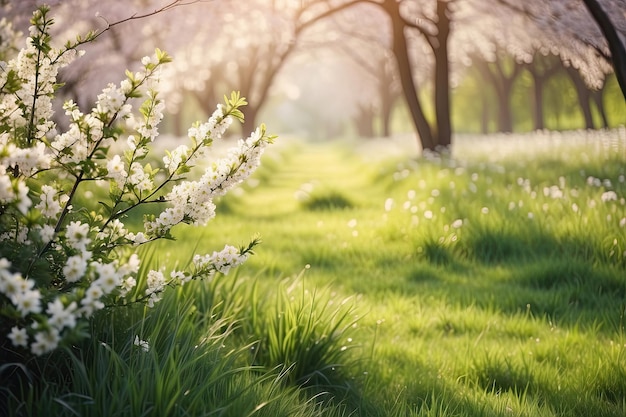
x=18, y=337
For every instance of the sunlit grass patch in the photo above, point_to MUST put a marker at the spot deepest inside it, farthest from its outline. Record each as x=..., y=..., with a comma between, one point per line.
x=319, y=199
x=306, y=332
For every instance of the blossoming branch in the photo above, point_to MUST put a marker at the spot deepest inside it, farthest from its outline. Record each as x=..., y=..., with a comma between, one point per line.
x=61, y=260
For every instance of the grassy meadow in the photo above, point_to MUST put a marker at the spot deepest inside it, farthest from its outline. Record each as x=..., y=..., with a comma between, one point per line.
x=486, y=282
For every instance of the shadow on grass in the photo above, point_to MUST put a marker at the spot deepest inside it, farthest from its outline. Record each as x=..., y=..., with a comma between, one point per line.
x=562, y=279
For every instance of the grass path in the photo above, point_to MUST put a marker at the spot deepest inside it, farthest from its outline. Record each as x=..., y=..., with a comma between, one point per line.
x=306, y=168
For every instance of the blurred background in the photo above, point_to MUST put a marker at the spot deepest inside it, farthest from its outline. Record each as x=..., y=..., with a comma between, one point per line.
x=356, y=68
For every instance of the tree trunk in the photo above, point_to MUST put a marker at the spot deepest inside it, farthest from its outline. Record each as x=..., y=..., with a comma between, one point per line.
x=387, y=98
x=442, y=76
x=538, y=121
x=484, y=122
x=505, y=116
x=363, y=121
x=617, y=48
x=503, y=87
x=597, y=96
x=400, y=50
x=584, y=96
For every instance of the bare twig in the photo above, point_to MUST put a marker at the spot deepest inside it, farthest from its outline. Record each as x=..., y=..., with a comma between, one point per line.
x=173, y=4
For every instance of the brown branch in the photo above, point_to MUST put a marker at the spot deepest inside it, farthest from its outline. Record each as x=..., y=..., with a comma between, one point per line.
x=174, y=3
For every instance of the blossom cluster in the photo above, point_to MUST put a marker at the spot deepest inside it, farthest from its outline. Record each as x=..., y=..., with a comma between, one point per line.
x=62, y=259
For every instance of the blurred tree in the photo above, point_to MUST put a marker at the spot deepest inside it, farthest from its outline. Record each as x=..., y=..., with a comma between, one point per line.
x=501, y=74
x=583, y=32
x=543, y=67
x=612, y=35
x=367, y=44
x=431, y=21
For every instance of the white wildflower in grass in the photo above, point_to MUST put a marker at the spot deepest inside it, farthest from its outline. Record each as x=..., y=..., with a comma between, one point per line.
x=457, y=223
x=80, y=256
x=389, y=204
x=608, y=196
x=144, y=345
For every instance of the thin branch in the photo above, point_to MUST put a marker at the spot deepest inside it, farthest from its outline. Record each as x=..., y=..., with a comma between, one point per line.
x=174, y=3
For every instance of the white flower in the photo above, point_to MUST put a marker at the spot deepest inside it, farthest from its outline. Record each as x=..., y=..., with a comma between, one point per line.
x=388, y=204
x=77, y=235
x=27, y=302
x=110, y=101
x=18, y=337
x=146, y=60
x=131, y=266
x=137, y=238
x=23, y=202
x=10, y=283
x=113, y=231
x=144, y=345
x=180, y=276
x=156, y=284
x=75, y=268
x=608, y=196
x=116, y=171
x=457, y=223
x=223, y=261
x=127, y=285
x=108, y=276
x=45, y=341
x=46, y=233
x=91, y=302
x=176, y=157
x=7, y=194
x=155, y=281
x=60, y=316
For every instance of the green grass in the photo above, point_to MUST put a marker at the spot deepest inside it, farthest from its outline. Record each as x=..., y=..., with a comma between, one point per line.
x=490, y=282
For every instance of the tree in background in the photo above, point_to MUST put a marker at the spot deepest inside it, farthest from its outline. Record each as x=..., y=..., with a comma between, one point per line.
x=588, y=33
x=431, y=42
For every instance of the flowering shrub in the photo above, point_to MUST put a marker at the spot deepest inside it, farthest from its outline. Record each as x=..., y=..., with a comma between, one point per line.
x=60, y=260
